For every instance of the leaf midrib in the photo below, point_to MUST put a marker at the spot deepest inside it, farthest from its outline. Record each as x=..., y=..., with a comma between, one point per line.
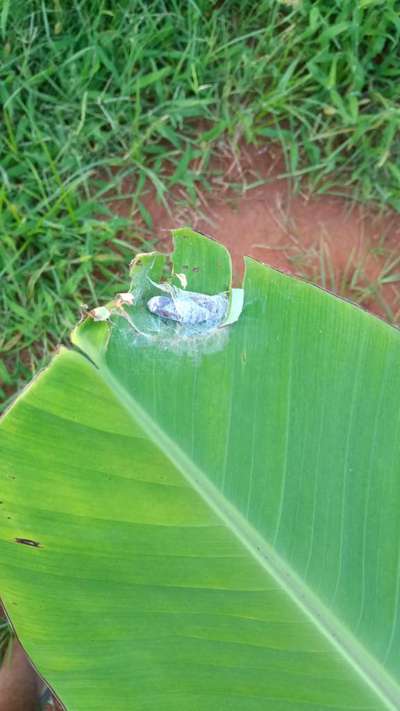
x=367, y=667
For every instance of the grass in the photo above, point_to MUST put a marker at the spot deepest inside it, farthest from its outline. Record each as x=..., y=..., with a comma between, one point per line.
x=6, y=634
x=94, y=90
x=354, y=282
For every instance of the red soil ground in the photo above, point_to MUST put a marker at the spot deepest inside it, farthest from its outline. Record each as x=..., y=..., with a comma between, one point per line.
x=357, y=248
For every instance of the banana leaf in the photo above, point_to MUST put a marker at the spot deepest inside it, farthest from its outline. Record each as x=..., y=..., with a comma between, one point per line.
x=207, y=517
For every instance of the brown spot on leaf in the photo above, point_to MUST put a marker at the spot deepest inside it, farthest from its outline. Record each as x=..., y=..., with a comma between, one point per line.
x=28, y=542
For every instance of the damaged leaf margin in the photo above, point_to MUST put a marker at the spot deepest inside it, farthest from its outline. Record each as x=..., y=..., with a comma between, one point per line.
x=197, y=264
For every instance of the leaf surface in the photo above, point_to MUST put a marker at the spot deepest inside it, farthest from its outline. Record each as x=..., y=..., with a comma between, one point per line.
x=213, y=519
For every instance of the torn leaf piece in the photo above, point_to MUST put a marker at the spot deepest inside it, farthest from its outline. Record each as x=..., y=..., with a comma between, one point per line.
x=205, y=262
x=145, y=269
x=235, y=307
x=189, y=307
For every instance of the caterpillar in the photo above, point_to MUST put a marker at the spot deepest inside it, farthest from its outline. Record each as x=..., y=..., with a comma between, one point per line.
x=189, y=307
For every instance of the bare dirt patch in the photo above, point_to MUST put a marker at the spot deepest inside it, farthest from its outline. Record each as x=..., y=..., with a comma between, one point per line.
x=348, y=248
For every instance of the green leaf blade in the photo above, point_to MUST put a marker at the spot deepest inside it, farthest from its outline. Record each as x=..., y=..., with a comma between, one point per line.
x=212, y=512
